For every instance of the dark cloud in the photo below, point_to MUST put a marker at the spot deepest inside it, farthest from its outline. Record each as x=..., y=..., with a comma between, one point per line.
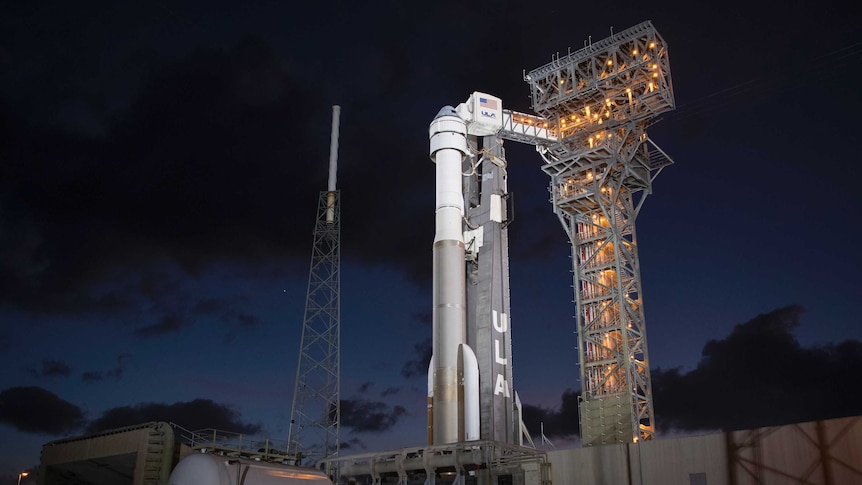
x=369, y=416
x=92, y=376
x=238, y=324
x=191, y=415
x=115, y=372
x=760, y=375
x=757, y=376
x=227, y=312
x=245, y=320
x=352, y=444
x=52, y=368
x=164, y=184
x=562, y=422
x=36, y=410
x=389, y=391
x=166, y=324
x=191, y=171
x=418, y=366
x=210, y=306
x=365, y=386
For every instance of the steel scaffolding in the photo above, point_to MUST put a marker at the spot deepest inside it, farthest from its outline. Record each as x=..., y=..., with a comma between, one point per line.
x=315, y=416
x=597, y=103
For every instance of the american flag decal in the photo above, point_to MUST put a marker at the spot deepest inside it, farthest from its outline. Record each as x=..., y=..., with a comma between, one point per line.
x=488, y=103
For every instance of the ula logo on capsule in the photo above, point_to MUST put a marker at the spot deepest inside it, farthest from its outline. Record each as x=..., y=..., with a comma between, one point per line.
x=487, y=114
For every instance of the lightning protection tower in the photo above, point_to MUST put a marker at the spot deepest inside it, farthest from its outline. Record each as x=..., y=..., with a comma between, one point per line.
x=315, y=416
x=598, y=101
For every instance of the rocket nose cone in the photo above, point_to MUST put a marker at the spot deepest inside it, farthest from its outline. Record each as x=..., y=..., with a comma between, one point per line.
x=446, y=111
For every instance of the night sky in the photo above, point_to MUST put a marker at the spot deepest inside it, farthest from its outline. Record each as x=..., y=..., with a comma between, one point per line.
x=160, y=164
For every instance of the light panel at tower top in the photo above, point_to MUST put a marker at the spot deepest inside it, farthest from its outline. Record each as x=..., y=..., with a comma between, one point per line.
x=623, y=78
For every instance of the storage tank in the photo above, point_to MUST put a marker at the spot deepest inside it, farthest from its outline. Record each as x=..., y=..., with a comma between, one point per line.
x=206, y=469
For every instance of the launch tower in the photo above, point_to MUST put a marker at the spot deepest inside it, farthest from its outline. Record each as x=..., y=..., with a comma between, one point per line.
x=315, y=415
x=598, y=102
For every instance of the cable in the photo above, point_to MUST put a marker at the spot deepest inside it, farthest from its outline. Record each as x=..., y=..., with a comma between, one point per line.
x=819, y=70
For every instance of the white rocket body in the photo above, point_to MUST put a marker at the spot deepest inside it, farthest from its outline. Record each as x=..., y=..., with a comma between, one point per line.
x=453, y=371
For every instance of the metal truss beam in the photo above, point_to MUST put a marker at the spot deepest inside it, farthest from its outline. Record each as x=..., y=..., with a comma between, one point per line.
x=315, y=416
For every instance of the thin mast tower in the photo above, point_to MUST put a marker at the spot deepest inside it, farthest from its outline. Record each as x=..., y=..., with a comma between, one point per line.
x=598, y=101
x=315, y=415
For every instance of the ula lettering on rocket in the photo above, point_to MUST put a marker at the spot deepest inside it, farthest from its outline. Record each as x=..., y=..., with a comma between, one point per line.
x=501, y=326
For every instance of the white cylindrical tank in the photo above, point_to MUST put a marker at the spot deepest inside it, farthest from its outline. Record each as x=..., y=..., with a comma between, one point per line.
x=206, y=469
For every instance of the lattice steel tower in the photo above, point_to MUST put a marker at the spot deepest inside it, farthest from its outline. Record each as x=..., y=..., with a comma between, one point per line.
x=598, y=101
x=315, y=416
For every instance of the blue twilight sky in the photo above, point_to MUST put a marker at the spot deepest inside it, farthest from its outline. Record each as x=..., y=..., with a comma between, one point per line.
x=160, y=164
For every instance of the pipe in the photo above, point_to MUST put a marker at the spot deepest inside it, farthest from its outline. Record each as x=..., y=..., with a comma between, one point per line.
x=333, y=164
x=333, y=147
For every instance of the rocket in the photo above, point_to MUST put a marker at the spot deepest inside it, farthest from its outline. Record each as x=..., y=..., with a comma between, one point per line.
x=453, y=373
x=454, y=393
